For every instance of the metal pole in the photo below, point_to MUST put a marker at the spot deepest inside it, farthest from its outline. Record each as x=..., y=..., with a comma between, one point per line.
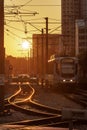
x=28, y=64
x=2, y=57
x=30, y=61
x=33, y=60
x=37, y=69
x=42, y=60
x=46, y=44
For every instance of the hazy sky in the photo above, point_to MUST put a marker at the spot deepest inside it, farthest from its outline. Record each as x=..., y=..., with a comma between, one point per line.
x=15, y=31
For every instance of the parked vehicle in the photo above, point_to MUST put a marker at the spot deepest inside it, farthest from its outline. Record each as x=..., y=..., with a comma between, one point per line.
x=23, y=78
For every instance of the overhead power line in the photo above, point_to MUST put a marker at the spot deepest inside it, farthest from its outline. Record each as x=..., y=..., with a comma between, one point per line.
x=18, y=6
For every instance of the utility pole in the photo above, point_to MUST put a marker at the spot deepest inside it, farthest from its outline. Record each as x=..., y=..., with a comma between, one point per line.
x=37, y=67
x=42, y=59
x=46, y=44
x=2, y=57
x=28, y=65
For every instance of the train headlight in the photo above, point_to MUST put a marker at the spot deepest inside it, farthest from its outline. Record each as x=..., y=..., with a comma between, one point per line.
x=71, y=80
x=64, y=80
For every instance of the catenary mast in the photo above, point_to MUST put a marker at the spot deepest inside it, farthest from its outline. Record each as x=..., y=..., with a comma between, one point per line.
x=2, y=57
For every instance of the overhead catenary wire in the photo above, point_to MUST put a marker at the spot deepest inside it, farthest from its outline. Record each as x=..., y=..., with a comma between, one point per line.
x=56, y=29
x=26, y=3
x=16, y=14
x=17, y=29
x=17, y=6
x=12, y=36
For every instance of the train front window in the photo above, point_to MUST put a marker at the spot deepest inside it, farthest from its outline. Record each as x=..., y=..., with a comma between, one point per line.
x=67, y=74
x=67, y=70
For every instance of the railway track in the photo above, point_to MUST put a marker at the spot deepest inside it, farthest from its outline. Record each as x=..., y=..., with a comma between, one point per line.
x=24, y=104
x=48, y=116
x=21, y=99
x=79, y=96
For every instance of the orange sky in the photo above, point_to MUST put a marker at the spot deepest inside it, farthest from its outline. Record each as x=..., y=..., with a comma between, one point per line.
x=15, y=31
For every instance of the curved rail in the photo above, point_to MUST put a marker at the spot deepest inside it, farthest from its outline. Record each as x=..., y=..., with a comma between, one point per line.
x=50, y=119
x=17, y=105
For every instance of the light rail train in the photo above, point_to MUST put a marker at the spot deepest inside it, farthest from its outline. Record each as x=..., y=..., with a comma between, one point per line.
x=62, y=71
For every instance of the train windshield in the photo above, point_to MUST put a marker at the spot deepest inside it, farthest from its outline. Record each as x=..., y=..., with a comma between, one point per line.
x=67, y=68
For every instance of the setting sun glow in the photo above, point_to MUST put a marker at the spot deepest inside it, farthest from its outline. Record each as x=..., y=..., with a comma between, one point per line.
x=21, y=22
x=25, y=45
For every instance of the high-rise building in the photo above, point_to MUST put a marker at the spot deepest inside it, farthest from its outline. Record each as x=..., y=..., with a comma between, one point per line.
x=71, y=11
x=83, y=9
x=81, y=37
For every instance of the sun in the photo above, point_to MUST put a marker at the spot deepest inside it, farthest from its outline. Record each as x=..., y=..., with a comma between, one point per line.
x=25, y=45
